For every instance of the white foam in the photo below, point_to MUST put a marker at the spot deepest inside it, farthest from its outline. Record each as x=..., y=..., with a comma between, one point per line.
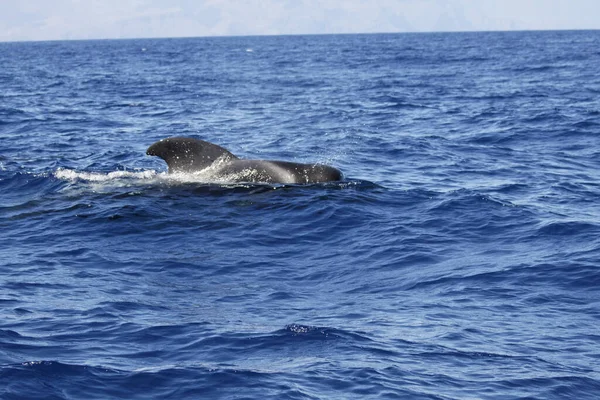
x=72, y=175
x=99, y=181
x=208, y=175
x=211, y=174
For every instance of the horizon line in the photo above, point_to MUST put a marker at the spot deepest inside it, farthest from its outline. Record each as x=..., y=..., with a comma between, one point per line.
x=301, y=34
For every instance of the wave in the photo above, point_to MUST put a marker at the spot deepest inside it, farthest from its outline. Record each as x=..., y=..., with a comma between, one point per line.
x=569, y=228
x=297, y=354
x=472, y=272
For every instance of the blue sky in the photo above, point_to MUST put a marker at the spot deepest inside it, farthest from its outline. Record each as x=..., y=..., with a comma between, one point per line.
x=104, y=19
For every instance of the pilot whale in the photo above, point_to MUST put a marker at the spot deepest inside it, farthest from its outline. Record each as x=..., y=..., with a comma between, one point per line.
x=188, y=155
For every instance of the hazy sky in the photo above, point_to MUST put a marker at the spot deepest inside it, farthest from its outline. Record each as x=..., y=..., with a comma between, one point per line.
x=95, y=19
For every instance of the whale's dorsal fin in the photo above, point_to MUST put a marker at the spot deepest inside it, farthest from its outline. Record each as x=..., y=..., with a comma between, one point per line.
x=184, y=154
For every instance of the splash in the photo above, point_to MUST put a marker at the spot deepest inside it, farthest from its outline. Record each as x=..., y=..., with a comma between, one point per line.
x=208, y=175
x=72, y=175
x=212, y=175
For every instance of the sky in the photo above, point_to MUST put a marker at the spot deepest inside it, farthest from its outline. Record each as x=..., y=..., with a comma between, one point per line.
x=23, y=20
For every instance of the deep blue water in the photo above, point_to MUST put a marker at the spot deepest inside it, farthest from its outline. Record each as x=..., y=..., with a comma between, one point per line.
x=459, y=258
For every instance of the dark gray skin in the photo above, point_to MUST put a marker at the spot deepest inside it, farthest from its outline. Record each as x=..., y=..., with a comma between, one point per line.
x=191, y=155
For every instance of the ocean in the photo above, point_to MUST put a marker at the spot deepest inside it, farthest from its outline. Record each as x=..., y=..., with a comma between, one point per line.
x=459, y=257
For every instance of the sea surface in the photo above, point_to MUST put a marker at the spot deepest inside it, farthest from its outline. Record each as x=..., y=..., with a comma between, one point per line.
x=459, y=258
